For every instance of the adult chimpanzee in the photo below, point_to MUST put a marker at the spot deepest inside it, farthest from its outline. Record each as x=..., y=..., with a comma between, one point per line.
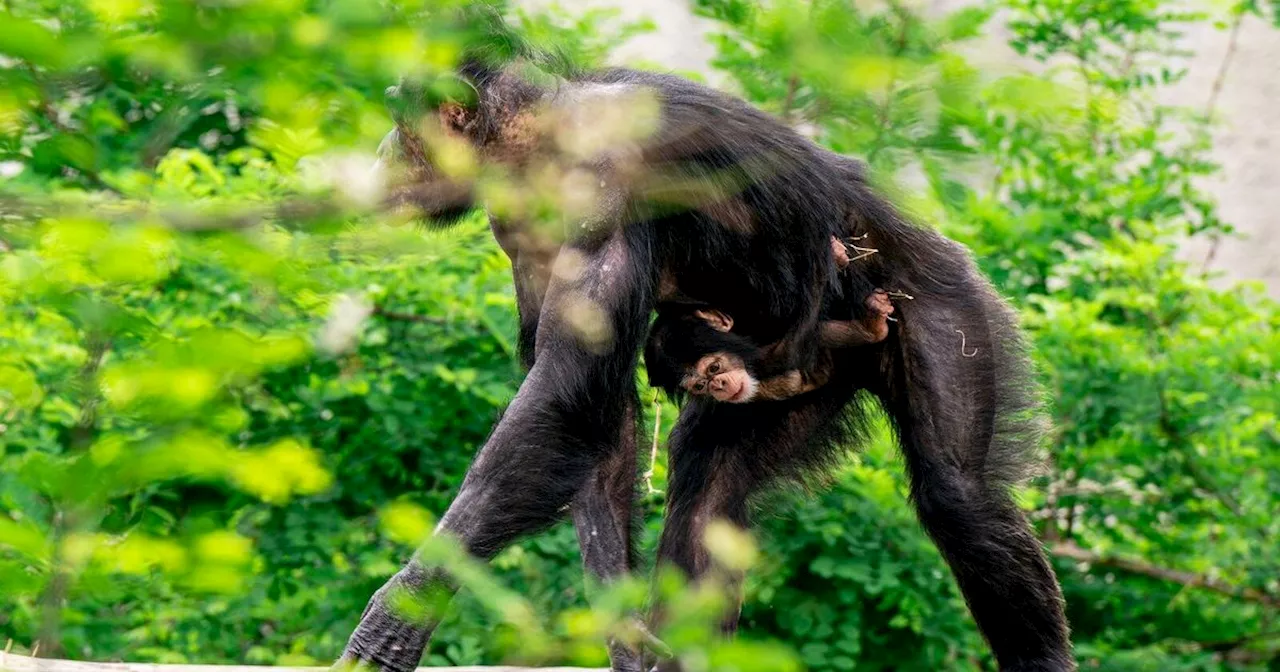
x=723, y=205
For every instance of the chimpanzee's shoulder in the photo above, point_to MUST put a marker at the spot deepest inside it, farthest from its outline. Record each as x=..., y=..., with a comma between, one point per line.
x=673, y=88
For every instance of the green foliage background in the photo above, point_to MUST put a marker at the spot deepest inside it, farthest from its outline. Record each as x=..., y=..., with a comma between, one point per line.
x=228, y=401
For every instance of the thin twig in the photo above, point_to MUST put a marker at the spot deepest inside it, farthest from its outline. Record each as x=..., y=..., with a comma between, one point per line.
x=1215, y=242
x=1220, y=80
x=792, y=84
x=863, y=252
x=1211, y=106
x=653, y=448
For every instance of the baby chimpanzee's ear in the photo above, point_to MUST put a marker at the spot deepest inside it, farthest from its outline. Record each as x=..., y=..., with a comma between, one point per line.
x=455, y=117
x=715, y=319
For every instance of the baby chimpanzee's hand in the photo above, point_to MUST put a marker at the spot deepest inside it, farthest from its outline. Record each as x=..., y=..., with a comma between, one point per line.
x=879, y=309
x=840, y=252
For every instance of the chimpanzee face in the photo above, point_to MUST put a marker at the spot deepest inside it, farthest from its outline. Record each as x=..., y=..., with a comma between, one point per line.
x=723, y=377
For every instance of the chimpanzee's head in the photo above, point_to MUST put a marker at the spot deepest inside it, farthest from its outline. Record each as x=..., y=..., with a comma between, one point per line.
x=694, y=352
x=483, y=112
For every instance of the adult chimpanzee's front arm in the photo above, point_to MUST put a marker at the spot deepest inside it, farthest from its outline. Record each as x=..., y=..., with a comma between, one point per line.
x=564, y=421
x=531, y=261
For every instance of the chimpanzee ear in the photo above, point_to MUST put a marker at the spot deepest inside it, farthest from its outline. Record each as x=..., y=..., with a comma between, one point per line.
x=454, y=117
x=715, y=319
x=410, y=99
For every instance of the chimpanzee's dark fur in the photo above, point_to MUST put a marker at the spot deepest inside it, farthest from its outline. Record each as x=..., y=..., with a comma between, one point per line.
x=953, y=376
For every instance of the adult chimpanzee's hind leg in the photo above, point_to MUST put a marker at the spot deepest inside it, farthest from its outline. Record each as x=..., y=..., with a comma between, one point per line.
x=602, y=509
x=563, y=422
x=965, y=407
x=603, y=518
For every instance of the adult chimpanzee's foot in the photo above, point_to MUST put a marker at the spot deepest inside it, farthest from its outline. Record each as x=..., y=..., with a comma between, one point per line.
x=384, y=639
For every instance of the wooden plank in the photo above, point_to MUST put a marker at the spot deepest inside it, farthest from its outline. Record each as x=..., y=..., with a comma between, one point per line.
x=14, y=663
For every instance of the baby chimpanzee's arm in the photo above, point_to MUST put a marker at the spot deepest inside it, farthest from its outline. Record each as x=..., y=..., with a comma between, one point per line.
x=847, y=333
x=792, y=383
x=833, y=334
x=870, y=329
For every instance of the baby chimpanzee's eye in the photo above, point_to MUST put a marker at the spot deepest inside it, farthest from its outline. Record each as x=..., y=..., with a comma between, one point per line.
x=714, y=368
x=700, y=386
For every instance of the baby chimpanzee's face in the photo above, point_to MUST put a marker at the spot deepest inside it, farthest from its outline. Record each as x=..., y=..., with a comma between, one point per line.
x=723, y=377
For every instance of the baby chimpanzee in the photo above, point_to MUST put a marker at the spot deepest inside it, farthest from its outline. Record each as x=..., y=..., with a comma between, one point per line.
x=693, y=349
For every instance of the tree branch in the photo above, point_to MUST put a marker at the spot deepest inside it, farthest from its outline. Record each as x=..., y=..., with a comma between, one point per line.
x=407, y=317
x=1215, y=241
x=65, y=520
x=1071, y=551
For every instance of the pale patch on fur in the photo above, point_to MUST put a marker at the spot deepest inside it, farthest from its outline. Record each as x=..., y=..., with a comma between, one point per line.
x=595, y=119
x=588, y=323
x=569, y=265
x=518, y=139
x=578, y=194
x=612, y=258
x=752, y=387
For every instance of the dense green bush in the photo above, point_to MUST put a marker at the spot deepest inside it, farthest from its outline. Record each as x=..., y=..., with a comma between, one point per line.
x=227, y=401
